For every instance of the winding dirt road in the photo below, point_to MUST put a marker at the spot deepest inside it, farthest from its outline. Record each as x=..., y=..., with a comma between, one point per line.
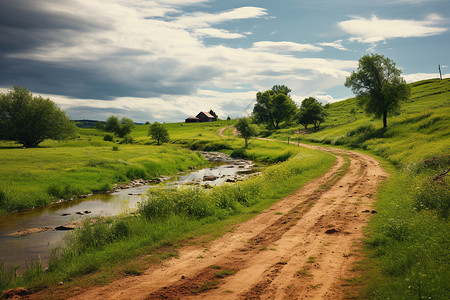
x=303, y=247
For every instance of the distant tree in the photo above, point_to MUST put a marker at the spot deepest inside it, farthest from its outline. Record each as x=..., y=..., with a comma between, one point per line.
x=212, y=113
x=378, y=86
x=274, y=106
x=311, y=112
x=228, y=118
x=120, y=128
x=159, y=133
x=99, y=126
x=30, y=120
x=112, y=124
x=246, y=129
x=147, y=123
x=126, y=125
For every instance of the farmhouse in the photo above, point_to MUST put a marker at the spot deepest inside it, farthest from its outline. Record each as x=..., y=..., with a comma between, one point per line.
x=201, y=117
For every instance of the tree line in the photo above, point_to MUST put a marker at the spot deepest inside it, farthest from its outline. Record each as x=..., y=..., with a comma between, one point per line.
x=377, y=84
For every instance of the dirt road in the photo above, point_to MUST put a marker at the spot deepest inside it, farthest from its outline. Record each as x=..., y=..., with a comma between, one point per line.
x=303, y=247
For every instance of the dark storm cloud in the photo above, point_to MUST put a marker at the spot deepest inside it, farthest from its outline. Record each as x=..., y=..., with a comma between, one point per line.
x=31, y=30
x=26, y=25
x=93, y=81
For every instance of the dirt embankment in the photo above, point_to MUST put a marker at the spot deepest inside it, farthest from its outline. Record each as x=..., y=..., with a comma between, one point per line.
x=303, y=247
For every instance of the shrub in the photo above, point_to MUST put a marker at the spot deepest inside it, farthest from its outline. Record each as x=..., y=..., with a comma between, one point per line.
x=240, y=152
x=108, y=138
x=63, y=191
x=115, y=148
x=434, y=195
x=128, y=139
x=361, y=129
x=136, y=172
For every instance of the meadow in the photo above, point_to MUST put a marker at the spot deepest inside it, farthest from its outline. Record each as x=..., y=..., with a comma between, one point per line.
x=129, y=244
x=38, y=176
x=407, y=245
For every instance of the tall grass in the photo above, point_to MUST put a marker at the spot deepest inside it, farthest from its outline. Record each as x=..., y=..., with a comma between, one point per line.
x=38, y=176
x=409, y=240
x=169, y=216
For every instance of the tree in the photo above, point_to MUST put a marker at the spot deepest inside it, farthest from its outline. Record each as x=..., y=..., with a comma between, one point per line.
x=311, y=112
x=126, y=125
x=274, y=106
x=378, y=86
x=246, y=129
x=121, y=128
x=112, y=124
x=30, y=120
x=99, y=126
x=159, y=133
x=212, y=113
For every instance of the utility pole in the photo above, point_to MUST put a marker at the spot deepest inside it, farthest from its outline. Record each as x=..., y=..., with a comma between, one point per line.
x=440, y=73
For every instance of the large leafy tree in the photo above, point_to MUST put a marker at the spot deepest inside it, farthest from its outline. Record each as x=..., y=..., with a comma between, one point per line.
x=159, y=133
x=311, y=112
x=274, y=106
x=246, y=129
x=30, y=120
x=378, y=86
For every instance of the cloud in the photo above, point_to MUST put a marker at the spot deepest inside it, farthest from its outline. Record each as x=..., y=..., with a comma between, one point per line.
x=422, y=76
x=201, y=19
x=375, y=30
x=284, y=47
x=218, y=33
x=147, y=59
x=336, y=44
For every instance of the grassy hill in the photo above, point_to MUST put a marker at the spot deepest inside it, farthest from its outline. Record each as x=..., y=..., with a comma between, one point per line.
x=408, y=244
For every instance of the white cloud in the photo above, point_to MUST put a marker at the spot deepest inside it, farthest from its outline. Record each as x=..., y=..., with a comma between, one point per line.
x=375, y=30
x=336, y=44
x=201, y=19
x=284, y=47
x=218, y=33
x=422, y=76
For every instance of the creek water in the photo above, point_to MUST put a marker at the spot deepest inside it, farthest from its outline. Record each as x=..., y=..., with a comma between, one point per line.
x=22, y=250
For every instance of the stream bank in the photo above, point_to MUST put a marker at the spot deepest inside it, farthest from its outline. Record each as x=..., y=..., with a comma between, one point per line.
x=30, y=235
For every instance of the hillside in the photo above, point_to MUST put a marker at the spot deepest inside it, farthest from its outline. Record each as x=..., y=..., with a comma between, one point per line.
x=407, y=246
x=421, y=131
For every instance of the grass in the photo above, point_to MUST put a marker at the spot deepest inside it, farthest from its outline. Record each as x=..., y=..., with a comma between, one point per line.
x=408, y=250
x=99, y=251
x=37, y=176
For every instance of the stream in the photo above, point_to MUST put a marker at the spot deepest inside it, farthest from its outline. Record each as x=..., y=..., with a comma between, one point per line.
x=30, y=235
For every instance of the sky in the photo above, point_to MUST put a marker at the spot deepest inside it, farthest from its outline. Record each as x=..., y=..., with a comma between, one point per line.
x=166, y=60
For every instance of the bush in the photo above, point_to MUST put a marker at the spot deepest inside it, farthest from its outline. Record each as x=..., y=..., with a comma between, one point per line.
x=115, y=148
x=136, y=172
x=435, y=196
x=128, y=139
x=63, y=191
x=240, y=152
x=108, y=138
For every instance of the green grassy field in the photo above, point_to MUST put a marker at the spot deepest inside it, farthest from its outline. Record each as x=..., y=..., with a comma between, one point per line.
x=107, y=250
x=38, y=176
x=408, y=244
